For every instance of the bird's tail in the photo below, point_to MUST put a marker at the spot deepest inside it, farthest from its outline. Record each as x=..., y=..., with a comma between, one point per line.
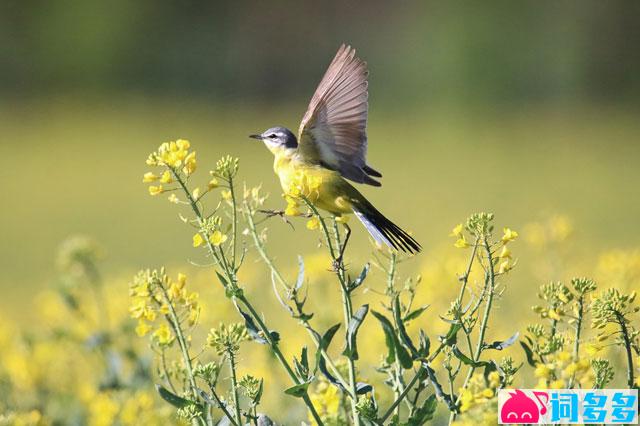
x=384, y=231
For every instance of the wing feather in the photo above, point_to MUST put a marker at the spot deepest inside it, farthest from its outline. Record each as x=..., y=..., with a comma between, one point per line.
x=333, y=131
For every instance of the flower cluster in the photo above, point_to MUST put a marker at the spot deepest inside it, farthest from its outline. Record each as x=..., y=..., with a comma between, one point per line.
x=153, y=293
x=611, y=306
x=211, y=230
x=561, y=369
x=479, y=390
x=479, y=227
x=226, y=339
x=178, y=161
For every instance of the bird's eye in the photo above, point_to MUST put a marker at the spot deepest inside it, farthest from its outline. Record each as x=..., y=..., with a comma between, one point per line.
x=272, y=136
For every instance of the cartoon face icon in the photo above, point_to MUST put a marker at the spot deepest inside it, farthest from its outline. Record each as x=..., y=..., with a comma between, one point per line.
x=521, y=409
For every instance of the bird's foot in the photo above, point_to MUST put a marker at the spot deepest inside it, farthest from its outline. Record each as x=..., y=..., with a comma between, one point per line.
x=271, y=213
x=337, y=265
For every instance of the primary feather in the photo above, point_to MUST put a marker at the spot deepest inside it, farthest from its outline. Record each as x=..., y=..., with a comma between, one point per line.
x=333, y=131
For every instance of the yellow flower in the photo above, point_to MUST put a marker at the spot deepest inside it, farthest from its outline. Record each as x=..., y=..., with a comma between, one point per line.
x=166, y=177
x=163, y=335
x=292, y=210
x=164, y=309
x=142, y=328
x=505, y=253
x=313, y=223
x=189, y=163
x=457, y=231
x=149, y=177
x=494, y=379
x=217, y=238
x=593, y=349
x=553, y=314
x=543, y=371
x=141, y=310
x=196, y=193
x=466, y=400
x=557, y=384
x=504, y=267
x=155, y=190
x=102, y=410
x=182, y=280
x=173, y=199
x=213, y=183
x=509, y=235
x=197, y=240
x=487, y=393
x=226, y=194
x=461, y=242
x=183, y=144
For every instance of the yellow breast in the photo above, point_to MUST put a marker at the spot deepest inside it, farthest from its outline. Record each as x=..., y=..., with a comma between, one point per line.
x=323, y=187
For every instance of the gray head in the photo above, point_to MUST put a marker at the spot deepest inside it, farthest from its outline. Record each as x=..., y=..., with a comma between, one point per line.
x=277, y=137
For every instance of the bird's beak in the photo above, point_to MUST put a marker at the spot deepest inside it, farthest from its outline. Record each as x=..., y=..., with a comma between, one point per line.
x=259, y=137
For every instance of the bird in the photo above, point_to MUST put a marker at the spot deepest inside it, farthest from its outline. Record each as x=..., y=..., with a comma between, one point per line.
x=331, y=150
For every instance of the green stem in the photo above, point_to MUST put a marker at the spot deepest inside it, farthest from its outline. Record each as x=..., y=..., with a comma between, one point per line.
x=234, y=386
x=490, y=285
x=231, y=276
x=276, y=272
x=181, y=342
x=411, y=383
x=223, y=407
x=234, y=222
x=627, y=345
x=347, y=305
x=279, y=355
x=576, y=344
x=401, y=396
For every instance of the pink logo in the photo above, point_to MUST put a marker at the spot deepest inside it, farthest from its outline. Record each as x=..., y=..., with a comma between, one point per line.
x=519, y=408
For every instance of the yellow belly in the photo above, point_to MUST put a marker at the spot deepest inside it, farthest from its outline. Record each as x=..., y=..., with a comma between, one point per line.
x=325, y=188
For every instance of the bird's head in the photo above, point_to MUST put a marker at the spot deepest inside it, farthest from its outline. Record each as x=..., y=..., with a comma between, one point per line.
x=277, y=139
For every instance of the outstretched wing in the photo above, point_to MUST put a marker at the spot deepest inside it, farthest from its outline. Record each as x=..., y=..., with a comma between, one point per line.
x=333, y=131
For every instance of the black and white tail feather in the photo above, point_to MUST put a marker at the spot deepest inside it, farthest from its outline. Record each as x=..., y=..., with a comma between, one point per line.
x=384, y=231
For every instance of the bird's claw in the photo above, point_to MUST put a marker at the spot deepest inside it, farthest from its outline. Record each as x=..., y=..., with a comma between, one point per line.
x=337, y=264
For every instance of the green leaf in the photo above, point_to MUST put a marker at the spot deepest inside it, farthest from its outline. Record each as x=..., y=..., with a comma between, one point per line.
x=393, y=344
x=324, y=342
x=425, y=345
x=402, y=332
x=452, y=335
x=351, y=349
x=322, y=365
x=328, y=336
x=358, y=281
x=172, y=398
x=424, y=413
x=298, y=390
x=222, y=279
x=389, y=336
x=256, y=401
x=465, y=359
x=529, y=353
x=415, y=313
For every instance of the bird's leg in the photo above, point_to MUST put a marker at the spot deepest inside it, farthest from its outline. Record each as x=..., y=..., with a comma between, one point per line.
x=281, y=213
x=338, y=263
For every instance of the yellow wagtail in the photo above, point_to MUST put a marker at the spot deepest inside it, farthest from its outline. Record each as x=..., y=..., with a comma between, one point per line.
x=333, y=146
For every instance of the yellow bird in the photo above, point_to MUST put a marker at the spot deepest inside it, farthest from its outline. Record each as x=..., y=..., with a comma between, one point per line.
x=332, y=147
